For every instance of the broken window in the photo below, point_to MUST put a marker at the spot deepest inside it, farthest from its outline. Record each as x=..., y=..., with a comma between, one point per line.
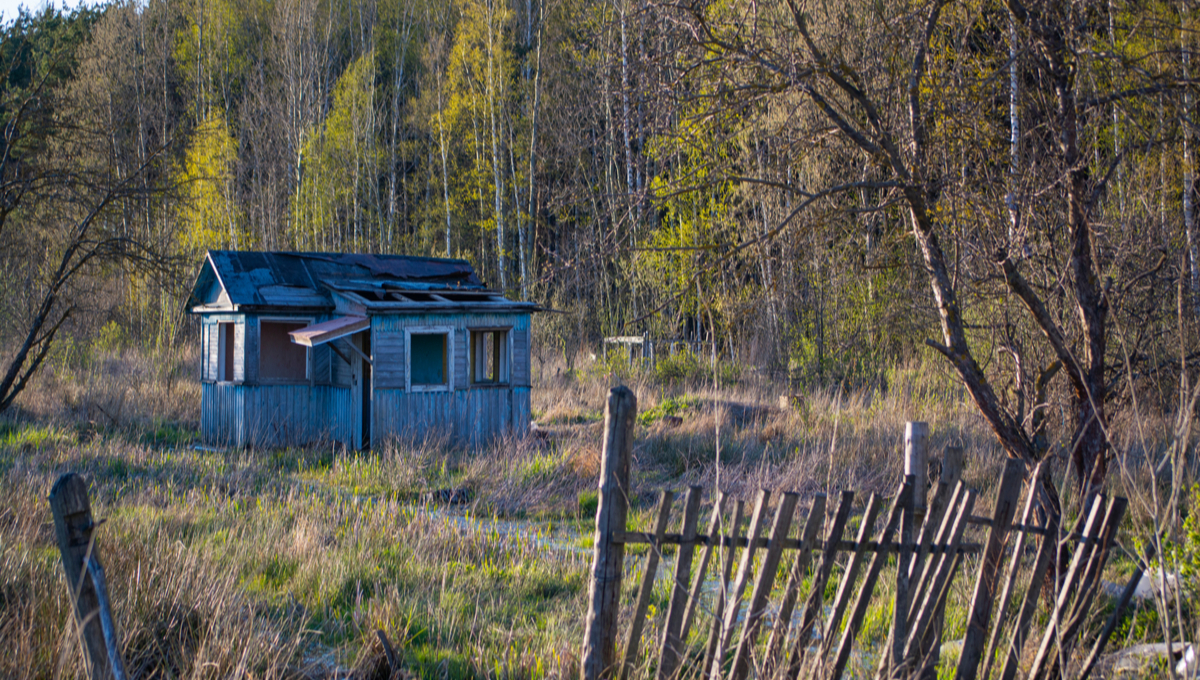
x=489, y=356
x=279, y=358
x=428, y=359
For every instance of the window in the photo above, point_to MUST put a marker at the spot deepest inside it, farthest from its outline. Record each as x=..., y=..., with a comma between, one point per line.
x=226, y=340
x=279, y=358
x=489, y=356
x=430, y=365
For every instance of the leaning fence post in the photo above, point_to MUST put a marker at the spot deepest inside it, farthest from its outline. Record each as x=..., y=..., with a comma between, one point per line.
x=916, y=460
x=599, y=657
x=85, y=577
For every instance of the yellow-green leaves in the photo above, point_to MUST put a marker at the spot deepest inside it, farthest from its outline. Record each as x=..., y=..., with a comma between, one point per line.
x=209, y=215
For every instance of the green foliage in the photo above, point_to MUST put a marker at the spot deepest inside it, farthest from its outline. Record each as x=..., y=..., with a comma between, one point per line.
x=1184, y=554
x=589, y=502
x=111, y=339
x=671, y=406
x=682, y=366
x=169, y=433
x=209, y=215
x=23, y=437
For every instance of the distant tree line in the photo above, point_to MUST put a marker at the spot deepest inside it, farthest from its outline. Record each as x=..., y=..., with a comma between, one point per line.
x=824, y=190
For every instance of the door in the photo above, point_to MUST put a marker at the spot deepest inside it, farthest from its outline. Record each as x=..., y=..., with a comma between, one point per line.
x=361, y=388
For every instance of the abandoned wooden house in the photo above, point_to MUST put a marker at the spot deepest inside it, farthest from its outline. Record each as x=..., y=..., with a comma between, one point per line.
x=308, y=347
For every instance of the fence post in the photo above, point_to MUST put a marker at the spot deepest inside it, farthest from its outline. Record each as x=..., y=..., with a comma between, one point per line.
x=599, y=656
x=85, y=577
x=916, y=460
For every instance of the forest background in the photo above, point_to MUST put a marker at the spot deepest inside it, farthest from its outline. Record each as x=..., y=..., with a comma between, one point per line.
x=786, y=180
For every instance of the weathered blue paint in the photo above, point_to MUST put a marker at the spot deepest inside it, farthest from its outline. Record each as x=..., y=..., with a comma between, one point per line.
x=246, y=288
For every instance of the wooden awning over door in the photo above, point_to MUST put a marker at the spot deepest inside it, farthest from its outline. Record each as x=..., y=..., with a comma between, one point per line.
x=328, y=331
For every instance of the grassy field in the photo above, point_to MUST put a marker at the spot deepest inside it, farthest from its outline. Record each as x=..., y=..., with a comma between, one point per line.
x=273, y=564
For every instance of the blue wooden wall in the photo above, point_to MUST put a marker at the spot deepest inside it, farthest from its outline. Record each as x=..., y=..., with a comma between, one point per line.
x=245, y=412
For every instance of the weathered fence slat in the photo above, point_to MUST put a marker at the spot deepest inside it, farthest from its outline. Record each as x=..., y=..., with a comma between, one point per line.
x=1014, y=568
x=665, y=500
x=791, y=592
x=714, y=636
x=1115, y=617
x=598, y=656
x=1047, y=552
x=1086, y=590
x=693, y=601
x=734, y=602
x=942, y=537
x=989, y=568
x=935, y=516
x=785, y=512
x=940, y=572
x=672, y=644
x=868, y=585
x=892, y=658
x=74, y=528
x=812, y=606
x=1090, y=533
x=850, y=575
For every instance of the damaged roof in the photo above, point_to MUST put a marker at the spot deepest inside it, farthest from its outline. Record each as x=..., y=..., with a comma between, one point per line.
x=251, y=281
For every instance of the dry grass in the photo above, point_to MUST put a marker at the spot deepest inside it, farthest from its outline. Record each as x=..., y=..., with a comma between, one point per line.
x=283, y=563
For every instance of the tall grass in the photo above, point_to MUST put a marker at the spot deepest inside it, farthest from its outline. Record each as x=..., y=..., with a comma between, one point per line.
x=284, y=563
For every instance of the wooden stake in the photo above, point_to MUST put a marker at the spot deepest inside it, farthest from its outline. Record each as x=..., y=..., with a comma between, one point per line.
x=940, y=571
x=599, y=655
x=714, y=635
x=1014, y=568
x=694, y=594
x=74, y=528
x=903, y=498
x=916, y=460
x=1047, y=551
x=1090, y=534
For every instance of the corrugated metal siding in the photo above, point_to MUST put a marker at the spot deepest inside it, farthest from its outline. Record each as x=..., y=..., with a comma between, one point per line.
x=521, y=410
x=222, y=414
x=273, y=415
x=474, y=416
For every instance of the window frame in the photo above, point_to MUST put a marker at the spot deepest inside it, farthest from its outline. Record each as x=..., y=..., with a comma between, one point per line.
x=308, y=354
x=504, y=359
x=448, y=332
x=226, y=352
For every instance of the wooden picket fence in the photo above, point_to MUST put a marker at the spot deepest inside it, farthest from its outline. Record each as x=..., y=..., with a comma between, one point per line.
x=923, y=548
